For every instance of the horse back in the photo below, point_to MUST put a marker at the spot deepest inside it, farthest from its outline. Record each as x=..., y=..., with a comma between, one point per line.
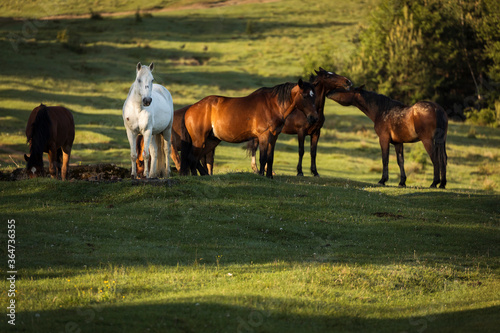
x=63, y=125
x=428, y=116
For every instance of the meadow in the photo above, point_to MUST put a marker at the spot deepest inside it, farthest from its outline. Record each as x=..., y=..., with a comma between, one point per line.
x=234, y=252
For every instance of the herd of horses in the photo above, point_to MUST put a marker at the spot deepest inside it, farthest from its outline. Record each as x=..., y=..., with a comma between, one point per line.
x=155, y=131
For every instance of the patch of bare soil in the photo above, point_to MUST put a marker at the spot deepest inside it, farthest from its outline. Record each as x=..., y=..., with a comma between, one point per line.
x=92, y=172
x=96, y=173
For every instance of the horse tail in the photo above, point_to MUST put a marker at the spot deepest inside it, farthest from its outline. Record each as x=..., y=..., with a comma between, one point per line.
x=252, y=146
x=439, y=143
x=186, y=150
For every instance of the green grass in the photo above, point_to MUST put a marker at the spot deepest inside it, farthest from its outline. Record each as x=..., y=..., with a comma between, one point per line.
x=207, y=254
x=235, y=252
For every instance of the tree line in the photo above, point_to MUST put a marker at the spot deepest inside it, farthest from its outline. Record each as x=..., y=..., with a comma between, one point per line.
x=447, y=51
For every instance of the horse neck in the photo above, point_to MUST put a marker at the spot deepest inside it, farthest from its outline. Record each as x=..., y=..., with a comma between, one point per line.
x=286, y=108
x=320, y=99
x=362, y=101
x=134, y=96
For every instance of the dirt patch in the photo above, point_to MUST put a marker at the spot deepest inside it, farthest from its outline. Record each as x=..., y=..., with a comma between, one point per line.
x=96, y=173
x=92, y=172
x=390, y=215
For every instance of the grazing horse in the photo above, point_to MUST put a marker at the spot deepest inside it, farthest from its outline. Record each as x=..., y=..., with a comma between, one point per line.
x=297, y=124
x=397, y=123
x=50, y=129
x=148, y=110
x=205, y=166
x=259, y=115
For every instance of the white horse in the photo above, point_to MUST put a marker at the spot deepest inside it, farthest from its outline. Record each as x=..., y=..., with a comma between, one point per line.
x=149, y=110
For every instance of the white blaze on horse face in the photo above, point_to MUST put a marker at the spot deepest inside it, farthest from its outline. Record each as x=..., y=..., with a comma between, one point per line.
x=33, y=170
x=311, y=93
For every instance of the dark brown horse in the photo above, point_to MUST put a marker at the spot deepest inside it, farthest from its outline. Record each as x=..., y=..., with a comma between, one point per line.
x=297, y=124
x=50, y=129
x=259, y=115
x=397, y=123
x=205, y=166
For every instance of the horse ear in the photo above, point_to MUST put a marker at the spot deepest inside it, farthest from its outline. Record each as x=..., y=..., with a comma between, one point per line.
x=361, y=87
x=139, y=66
x=301, y=84
x=26, y=158
x=151, y=66
x=321, y=70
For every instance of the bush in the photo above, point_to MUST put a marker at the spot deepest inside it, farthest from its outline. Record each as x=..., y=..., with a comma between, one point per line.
x=482, y=117
x=437, y=50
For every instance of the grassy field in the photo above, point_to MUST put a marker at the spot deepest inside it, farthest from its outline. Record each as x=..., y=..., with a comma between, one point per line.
x=234, y=252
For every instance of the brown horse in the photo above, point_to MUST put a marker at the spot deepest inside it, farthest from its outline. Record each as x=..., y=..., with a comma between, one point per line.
x=259, y=115
x=205, y=166
x=50, y=129
x=397, y=123
x=297, y=124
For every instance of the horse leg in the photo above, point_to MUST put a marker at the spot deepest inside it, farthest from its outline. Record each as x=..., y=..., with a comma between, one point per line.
x=314, y=149
x=53, y=162
x=429, y=147
x=263, y=141
x=210, y=161
x=132, y=139
x=167, y=140
x=271, y=143
x=146, y=153
x=301, y=138
x=252, y=146
x=401, y=163
x=154, y=157
x=65, y=164
x=384, y=145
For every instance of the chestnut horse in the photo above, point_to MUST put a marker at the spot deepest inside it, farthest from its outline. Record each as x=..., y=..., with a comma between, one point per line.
x=259, y=115
x=50, y=129
x=397, y=123
x=205, y=166
x=297, y=124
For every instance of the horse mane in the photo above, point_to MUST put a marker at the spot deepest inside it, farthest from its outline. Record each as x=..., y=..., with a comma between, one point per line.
x=382, y=102
x=40, y=134
x=282, y=91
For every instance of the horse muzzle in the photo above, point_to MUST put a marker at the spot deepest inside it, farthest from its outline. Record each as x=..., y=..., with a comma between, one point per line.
x=146, y=101
x=311, y=120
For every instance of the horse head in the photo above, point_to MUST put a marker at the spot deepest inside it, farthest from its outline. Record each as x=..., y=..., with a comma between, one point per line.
x=331, y=81
x=344, y=97
x=144, y=82
x=304, y=100
x=34, y=166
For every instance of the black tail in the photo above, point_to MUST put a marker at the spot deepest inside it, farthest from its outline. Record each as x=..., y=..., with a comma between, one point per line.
x=439, y=144
x=252, y=146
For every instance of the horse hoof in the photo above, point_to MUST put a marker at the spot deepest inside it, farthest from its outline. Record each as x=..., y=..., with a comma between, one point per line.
x=442, y=186
x=402, y=185
x=316, y=174
x=300, y=174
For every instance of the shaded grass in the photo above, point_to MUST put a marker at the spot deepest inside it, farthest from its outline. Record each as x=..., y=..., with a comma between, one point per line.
x=304, y=253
